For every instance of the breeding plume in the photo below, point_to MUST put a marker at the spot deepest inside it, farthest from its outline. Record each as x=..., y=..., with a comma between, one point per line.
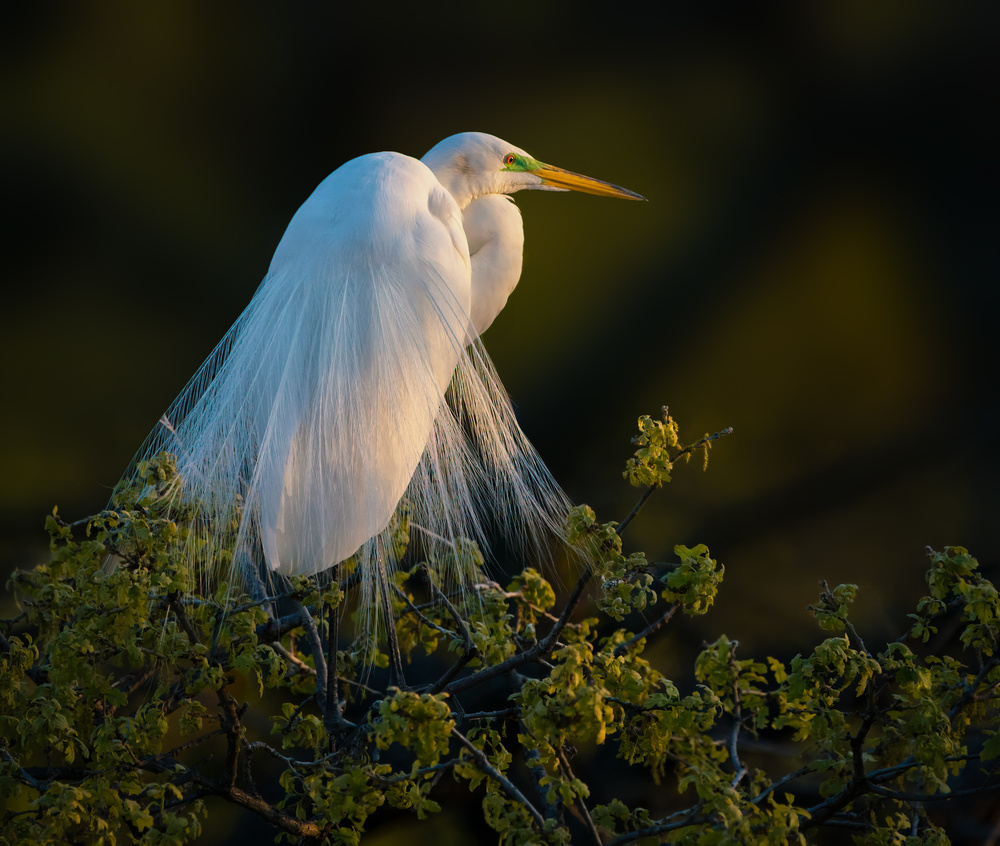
x=355, y=383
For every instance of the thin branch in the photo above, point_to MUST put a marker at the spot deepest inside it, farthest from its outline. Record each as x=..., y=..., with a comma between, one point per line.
x=230, y=793
x=23, y=774
x=689, y=816
x=177, y=606
x=734, y=756
x=454, y=669
x=459, y=620
x=492, y=715
x=292, y=658
x=902, y=796
x=265, y=809
x=291, y=763
x=333, y=713
x=470, y=650
x=418, y=613
x=651, y=629
x=438, y=769
x=781, y=782
x=549, y=641
x=698, y=444
x=646, y=494
x=234, y=729
x=888, y=773
x=860, y=783
x=509, y=787
x=316, y=648
x=275, y=629
x=970, y=695
x=396, y=676
x=540, y=649
x=585, y=813
x=848, y=821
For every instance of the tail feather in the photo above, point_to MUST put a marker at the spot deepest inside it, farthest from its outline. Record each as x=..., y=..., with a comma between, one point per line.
x=285, y=400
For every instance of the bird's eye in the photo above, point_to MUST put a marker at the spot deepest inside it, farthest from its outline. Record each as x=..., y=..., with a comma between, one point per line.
x=509, y=159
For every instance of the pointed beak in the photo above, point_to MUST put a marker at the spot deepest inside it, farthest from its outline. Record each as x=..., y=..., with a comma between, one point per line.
x=569, y=181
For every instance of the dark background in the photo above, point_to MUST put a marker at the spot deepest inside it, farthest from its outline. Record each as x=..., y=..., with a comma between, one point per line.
x=816, y=265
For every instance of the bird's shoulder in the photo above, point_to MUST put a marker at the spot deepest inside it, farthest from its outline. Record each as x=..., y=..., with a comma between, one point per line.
x=388, y=206
x=406, y=196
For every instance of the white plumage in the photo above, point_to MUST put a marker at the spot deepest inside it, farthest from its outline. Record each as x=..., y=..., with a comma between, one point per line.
x=356, y=376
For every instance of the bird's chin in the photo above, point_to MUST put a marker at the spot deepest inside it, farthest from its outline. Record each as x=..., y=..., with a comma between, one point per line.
x=544, y=187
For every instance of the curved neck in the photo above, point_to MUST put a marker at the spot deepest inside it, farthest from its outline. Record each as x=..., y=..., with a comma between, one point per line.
x=496, y=241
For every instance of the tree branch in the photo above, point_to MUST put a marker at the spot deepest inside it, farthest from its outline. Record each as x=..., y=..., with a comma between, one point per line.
x=509, y=787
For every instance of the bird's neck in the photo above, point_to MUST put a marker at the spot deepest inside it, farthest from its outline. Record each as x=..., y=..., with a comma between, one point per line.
x=496, y=242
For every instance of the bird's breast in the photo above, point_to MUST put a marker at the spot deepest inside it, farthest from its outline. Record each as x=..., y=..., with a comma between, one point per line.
x=495, y=235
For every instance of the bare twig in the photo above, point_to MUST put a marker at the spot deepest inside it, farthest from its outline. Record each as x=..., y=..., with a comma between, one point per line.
x=509, y=787
x=293, y=659
x=584, y=812
x=492, y=715
x=231, y=793
x=182, y=618
x=454, y=669
x=689, y=816
x=316, y=648
x=419, y=614
x=651, y=629
x=234, y=731
x=263, y=808
x=396, y=677
x=734, y=756
x=22, y=773
x=781, y=782
x=903, y=796
x=459, y=620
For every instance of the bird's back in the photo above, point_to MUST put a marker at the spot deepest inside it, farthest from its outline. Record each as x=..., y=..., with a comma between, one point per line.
x=371, y=283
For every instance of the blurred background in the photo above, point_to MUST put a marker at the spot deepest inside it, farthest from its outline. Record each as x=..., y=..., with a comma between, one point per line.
x=816, y=265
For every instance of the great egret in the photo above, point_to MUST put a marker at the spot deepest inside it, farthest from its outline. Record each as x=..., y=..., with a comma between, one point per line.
x=355, y=379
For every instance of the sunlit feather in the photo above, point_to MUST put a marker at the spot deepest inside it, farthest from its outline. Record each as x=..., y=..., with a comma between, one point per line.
x=355, y=379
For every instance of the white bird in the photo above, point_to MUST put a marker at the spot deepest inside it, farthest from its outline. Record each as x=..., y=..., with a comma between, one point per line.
x=355, y=379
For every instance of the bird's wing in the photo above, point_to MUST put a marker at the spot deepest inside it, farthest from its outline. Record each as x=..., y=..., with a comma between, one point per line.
x=386, y=298
x=325, y=394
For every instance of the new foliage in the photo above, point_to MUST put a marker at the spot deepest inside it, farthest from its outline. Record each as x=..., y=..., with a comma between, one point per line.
x=131, y=702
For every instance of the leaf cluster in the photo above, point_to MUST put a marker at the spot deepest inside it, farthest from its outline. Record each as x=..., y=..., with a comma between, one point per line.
x=133, y=700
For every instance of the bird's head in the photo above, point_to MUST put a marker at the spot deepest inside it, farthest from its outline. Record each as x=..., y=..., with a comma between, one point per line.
x=472, y=164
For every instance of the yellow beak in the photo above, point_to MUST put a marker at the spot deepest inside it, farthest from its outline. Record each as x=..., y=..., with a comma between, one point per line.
x=566, y=179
